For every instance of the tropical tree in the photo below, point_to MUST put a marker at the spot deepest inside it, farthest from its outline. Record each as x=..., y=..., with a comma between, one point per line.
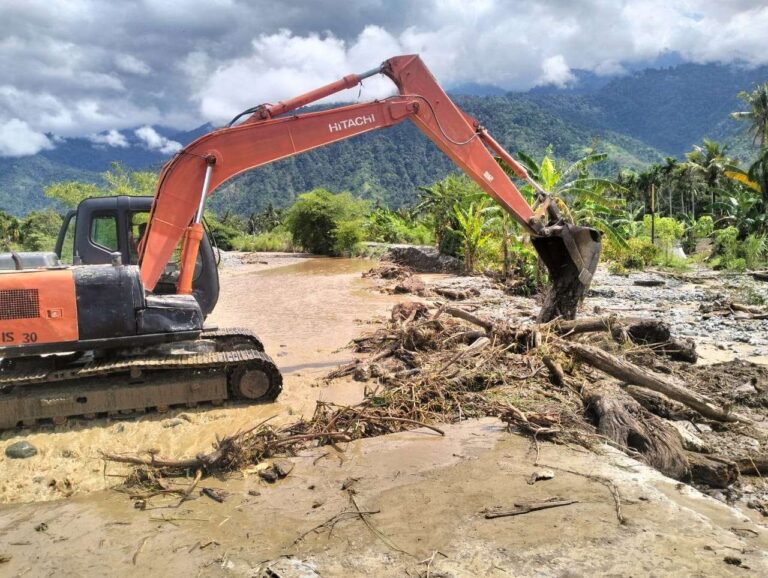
x=438, y=202
x=709, y=162
x=584, y=197
x=116, y=181
x=473, y=227
x=757, y=115
x=745, y=206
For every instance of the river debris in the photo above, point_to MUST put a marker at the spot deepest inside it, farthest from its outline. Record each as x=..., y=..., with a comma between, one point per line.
x=590, y=381
x=526, y=508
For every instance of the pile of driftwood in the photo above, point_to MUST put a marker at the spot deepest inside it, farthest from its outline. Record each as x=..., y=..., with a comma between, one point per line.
x=586, y=380
x=734, y=309
x=589, y=381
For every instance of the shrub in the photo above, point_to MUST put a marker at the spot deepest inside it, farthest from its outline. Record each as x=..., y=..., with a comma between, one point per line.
x=278, y=239
x=754, y=249
x=616, y=268
x=347, y=237
x=703, y=227
x=638, y=253
x=316, y=215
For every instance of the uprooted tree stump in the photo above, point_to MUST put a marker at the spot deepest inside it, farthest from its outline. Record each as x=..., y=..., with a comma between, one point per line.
x=624, y=421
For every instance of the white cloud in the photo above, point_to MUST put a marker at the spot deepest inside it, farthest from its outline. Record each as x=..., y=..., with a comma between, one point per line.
x=132, y=65
x=17, y=139
x=555, y=70
x=282, y=65
x=80, y=67
x=112, y=138
x=157, y=142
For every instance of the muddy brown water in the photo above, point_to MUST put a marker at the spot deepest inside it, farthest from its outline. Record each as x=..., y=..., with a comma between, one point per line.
x=305, y=312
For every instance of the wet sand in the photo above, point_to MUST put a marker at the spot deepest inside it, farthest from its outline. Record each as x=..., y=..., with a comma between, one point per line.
x=429, y=493
x=304, y=309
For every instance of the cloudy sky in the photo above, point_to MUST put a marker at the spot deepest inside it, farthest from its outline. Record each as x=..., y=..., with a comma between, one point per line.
x=97, y=68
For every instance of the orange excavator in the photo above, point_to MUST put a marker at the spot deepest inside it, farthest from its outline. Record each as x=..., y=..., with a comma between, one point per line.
x=107, y=336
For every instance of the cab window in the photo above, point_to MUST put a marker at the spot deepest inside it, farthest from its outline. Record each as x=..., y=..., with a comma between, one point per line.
x=104, y=232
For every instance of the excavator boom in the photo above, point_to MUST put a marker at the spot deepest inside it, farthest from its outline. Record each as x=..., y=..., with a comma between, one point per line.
x=268, y=134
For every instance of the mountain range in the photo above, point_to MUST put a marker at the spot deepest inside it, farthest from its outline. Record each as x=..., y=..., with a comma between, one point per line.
x=638, y=118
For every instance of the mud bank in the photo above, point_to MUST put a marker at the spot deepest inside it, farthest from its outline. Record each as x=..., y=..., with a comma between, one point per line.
x=429, y=494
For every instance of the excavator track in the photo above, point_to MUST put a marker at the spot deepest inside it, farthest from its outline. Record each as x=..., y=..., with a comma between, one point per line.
x=235, y=367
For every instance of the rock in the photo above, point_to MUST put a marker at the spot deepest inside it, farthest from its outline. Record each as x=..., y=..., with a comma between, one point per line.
x=690, y=440
x=20, y=450
x=649, y=282
x=362, y=373
x=424, y=259
x=277, y=471
x=169, y=423
x=539, y=475
x=745, y=390
x=406, y=309
x=601, y=292
x=411, y=284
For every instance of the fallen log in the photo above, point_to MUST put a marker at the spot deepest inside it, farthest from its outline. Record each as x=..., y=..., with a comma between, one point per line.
x=466, y=316
x=621, y=419
x=456, y=294
x=651, y=332
x=660, y=404
x=712, y=471
x=633, y=374
x=757, y=466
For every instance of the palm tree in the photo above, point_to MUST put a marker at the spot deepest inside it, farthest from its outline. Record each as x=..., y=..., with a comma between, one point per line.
x=757, y=115
x=709, y=163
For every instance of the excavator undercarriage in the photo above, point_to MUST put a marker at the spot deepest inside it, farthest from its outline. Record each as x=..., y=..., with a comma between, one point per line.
x=227, y=364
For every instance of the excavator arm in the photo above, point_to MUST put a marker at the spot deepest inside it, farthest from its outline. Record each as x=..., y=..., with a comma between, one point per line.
x=570, y=253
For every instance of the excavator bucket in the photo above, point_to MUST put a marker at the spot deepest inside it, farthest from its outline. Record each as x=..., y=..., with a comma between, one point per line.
x=571, y=254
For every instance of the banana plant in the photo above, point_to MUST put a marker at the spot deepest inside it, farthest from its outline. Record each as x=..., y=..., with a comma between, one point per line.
x=473, y=225
x=583, y=197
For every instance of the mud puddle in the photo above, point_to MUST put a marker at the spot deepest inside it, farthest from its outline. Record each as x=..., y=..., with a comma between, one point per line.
x=304, y=309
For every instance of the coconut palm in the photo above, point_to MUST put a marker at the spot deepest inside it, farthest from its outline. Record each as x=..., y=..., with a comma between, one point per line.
x=757, y=115
x=709, y=162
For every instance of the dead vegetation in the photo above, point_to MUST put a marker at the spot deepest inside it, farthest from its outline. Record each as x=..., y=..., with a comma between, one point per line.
x=588, y=381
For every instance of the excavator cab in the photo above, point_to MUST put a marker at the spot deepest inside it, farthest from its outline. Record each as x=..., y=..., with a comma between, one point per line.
x=100, y=227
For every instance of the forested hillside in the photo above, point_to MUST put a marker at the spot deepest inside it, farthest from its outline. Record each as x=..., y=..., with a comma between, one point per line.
x=669, y=109
x=637, y=119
